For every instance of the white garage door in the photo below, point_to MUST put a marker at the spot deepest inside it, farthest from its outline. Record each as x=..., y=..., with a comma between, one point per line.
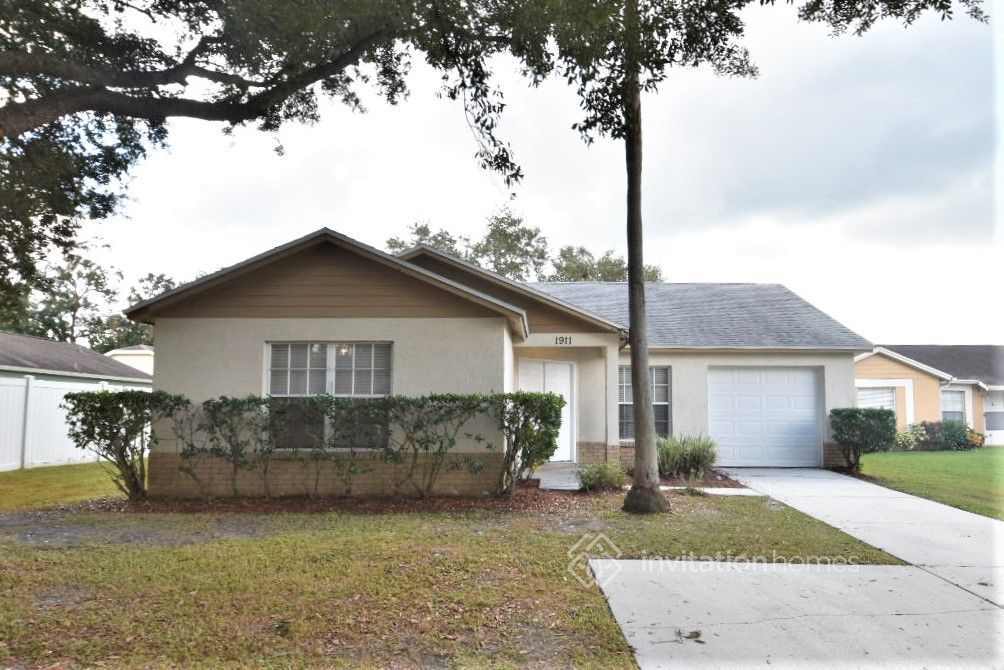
x=765, y=417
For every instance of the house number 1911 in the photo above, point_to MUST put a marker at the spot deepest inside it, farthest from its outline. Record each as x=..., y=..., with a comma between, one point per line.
x=563, y=339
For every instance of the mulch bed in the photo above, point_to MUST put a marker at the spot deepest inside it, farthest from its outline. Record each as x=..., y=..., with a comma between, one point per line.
x=711, y=480
x=527, y=499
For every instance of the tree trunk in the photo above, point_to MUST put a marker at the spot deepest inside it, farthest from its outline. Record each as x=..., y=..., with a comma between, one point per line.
x=644, y=496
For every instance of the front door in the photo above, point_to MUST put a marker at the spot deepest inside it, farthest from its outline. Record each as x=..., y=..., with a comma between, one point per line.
x=553, y=377
x=993, y=407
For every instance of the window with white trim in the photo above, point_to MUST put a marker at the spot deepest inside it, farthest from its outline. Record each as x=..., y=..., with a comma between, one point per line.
x=347, y=369
x=661, y=384
x=298, y=370
x=953, y=406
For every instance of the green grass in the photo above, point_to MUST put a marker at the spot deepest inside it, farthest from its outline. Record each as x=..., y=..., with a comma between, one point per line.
x=969, y=480
x=45, y=487
x=344, y=589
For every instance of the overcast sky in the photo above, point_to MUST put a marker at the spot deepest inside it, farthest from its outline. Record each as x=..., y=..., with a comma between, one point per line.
x=856, y=171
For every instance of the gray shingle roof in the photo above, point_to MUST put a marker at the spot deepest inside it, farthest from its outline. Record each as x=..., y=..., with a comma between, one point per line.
x=716, y=315
x=984, y=362
x=25, y=351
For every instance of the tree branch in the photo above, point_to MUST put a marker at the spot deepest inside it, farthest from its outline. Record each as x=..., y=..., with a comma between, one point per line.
x=18, y=118
x=19, y=63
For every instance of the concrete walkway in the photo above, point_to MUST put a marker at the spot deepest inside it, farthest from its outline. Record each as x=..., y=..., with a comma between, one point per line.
x=960, y=547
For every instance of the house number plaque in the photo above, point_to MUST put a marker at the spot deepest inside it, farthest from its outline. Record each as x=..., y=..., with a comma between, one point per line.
x=563, y=339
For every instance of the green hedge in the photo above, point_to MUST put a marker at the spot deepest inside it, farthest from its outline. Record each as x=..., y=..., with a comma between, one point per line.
x=415, y=432
x=862, y=430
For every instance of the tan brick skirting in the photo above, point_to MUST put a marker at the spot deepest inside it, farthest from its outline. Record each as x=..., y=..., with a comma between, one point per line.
x=294, y=477
x=832, y=457
x=626, y=454
x=596, y=452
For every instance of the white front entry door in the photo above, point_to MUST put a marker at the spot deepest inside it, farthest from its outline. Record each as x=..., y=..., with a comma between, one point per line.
x=765, y=417
x=553, y=377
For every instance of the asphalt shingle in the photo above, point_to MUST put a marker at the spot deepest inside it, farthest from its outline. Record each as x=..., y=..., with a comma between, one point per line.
x=25, y=351
x=984, y=362
x=715, y=315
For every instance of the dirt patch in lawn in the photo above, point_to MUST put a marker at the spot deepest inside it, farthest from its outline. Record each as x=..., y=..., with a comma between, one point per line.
x=711, y=480
x=526, y=500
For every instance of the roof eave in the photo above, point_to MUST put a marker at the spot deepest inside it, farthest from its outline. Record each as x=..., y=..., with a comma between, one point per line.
x=69, y=373
x=141, y=310
x=906, y=360
x=505, y=282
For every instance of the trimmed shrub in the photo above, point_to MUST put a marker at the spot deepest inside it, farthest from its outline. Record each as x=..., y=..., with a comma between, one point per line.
x=948, y=436
x=117, y=427
x=686, y=456
x=909, y=439
x=530, y=423
x=862, y=430
x=602, y=477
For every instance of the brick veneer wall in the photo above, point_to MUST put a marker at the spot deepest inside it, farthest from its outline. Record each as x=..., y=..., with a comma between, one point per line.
x=832, y=458
x=596, y=452
x=293, y=477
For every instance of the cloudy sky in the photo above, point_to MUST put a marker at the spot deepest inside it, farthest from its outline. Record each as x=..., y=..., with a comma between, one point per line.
x=856, y=171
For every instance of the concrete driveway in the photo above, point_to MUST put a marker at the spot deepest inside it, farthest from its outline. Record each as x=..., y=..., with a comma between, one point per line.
x=963, y=548
x=942, y=611
x=684, y=614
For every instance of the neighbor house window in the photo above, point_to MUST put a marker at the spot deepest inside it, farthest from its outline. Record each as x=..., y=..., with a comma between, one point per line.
x=661, y=382
x=877, y=398
x=348, y=369
x=953, y=406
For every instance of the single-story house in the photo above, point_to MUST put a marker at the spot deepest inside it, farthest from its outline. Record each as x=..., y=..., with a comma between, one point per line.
x=139, y=356
x=35, y=374
x=752, y=365
x=936, y=383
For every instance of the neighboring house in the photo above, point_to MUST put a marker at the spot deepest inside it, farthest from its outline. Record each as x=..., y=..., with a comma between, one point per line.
x=936, y=383
x=139, y=356
x=35, y=374
x=753, y=366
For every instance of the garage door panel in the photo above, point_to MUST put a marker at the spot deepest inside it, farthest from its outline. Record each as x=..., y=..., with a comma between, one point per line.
x=765, y=416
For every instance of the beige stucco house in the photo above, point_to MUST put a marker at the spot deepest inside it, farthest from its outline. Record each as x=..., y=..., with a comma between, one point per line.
x=936, y=383
x=754, y=366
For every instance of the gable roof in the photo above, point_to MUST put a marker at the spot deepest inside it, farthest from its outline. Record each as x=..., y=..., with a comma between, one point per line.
x=28, y=354
x=145, y=309
x=525, y=289
x=983, y=362
x=716, y=316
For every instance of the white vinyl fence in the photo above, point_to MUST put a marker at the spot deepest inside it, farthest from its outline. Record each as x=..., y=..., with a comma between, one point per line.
x=32, y=423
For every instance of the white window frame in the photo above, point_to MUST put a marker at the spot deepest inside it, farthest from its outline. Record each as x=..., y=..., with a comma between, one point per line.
x=967, y=402
x=905, y=384
x=330, y=371
x=669, y=395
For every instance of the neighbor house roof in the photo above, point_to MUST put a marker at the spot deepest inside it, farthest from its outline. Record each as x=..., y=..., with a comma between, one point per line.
x=981, y=362
x=145, y=309
x=134, y=347
x=715, y=316
x=27, y=354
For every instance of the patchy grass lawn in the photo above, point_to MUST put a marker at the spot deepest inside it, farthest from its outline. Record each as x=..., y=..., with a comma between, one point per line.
x=969, y=480
x=351, y=589
x=56, y=485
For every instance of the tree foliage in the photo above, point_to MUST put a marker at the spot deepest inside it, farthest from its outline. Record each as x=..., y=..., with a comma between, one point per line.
x=114, y=331
x=87, y=85
x=579, y=264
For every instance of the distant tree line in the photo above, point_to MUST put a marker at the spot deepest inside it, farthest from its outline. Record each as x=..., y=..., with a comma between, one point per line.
x=518, y=251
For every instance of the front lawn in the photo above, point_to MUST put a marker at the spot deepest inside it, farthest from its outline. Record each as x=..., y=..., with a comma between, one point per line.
x=56, y=485
x=969, y=480
x=351, y=587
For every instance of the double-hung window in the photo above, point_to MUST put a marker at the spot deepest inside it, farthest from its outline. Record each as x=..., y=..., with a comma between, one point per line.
x=661, y=385
x=298, y=370
x=953, y=406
